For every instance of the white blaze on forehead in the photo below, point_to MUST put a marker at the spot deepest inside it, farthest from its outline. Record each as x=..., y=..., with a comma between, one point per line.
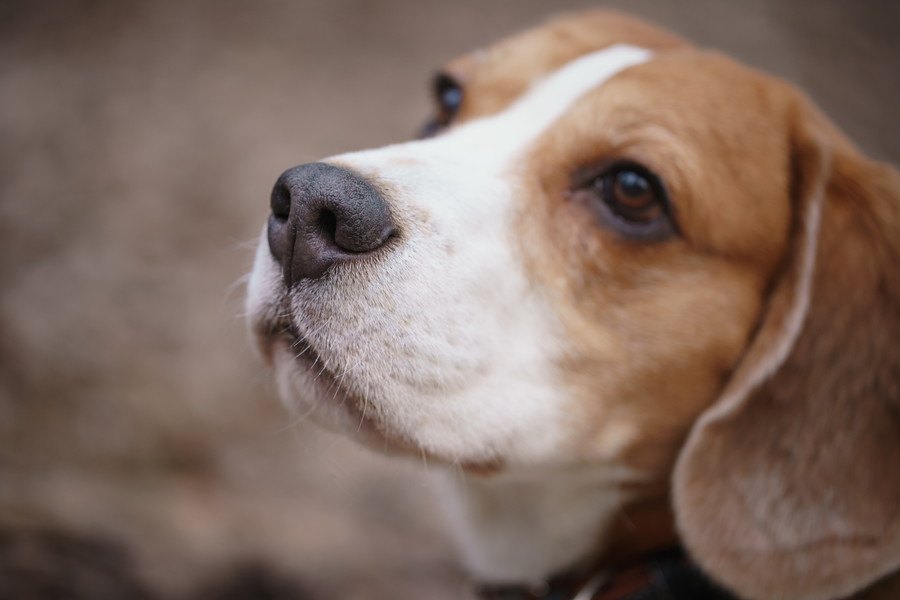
x=495, y=140
x=552, y=96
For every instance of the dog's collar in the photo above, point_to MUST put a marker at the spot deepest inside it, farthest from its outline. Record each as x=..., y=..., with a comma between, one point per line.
x=665, y=576
x=603, y=585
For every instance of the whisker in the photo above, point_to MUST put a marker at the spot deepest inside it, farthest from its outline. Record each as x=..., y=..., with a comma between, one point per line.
x=249, y=244
x=232, y=288
x=297, y=421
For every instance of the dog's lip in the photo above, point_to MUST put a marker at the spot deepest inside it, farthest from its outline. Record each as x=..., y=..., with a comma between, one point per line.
x=283, y=333
x=272, y=331
x=303, y=350
x=369, y=430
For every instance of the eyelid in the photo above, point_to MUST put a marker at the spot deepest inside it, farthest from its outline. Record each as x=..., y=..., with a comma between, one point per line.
x=585, y=176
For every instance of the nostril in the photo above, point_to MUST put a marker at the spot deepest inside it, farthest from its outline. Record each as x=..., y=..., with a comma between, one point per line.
x=280, y=237
x=328, y=224
x=281, y=201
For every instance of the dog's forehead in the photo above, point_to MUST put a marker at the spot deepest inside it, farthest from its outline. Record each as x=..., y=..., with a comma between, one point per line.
x=495, y=76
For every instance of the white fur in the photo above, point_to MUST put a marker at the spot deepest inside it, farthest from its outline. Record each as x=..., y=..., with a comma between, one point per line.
x=445, y=340
x=522, y=526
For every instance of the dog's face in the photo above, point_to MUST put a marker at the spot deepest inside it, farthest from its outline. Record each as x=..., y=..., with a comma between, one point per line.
x=605, y=228
x=571, y=242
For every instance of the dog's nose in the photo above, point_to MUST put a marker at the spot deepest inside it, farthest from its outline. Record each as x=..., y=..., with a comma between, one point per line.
x=323, y=215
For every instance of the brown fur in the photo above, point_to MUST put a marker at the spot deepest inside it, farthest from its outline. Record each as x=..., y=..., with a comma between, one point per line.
x=798, y=477
x=632, y=310
x=496, y=76
x=793, y=492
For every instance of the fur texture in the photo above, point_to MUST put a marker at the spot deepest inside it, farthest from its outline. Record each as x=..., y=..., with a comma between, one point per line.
x=514, y=332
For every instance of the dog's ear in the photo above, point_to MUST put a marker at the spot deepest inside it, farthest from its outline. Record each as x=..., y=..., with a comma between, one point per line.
x=789, y=485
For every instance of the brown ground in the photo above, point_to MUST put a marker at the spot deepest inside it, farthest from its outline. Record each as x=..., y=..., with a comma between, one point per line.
x=138, y=142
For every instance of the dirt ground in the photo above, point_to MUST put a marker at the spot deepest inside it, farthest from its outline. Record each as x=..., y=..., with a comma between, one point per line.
x=140, y=438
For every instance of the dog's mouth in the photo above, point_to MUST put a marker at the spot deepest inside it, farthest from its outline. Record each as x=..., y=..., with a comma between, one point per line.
x=325, y=392
x=284, y=337
x=304, y=353
x=286, y=348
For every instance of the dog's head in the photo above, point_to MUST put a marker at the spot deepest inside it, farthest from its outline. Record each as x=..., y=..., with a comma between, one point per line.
x=615, y=248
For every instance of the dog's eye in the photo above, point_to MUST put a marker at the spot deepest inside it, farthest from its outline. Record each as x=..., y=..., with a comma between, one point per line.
x=631, y=196
x=448, y=94
x=631, y=199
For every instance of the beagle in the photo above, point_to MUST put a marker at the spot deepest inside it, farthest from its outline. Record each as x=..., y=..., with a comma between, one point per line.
x=632, y=295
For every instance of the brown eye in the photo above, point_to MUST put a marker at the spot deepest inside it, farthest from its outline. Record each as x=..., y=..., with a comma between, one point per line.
x=631, y=195
x=631, y=199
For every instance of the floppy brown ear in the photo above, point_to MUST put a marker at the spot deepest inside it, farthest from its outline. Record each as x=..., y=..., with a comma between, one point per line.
x=789, y=485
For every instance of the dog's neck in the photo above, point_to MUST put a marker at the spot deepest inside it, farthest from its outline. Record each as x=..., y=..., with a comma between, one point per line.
x=522, y=527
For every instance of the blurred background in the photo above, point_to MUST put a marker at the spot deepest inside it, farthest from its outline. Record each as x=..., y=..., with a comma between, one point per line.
x=142, y=450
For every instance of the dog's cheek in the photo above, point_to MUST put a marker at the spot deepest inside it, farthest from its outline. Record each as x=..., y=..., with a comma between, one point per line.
x=477, y=383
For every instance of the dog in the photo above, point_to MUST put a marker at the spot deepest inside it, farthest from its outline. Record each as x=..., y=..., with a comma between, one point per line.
x=632, y=295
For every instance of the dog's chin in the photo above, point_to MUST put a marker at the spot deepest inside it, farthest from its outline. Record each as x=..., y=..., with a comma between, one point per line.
x=312, y=391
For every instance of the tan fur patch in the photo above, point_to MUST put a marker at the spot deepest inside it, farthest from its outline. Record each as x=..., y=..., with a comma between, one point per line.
x=793, y=473
x=654, y=328
x=492, y=78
